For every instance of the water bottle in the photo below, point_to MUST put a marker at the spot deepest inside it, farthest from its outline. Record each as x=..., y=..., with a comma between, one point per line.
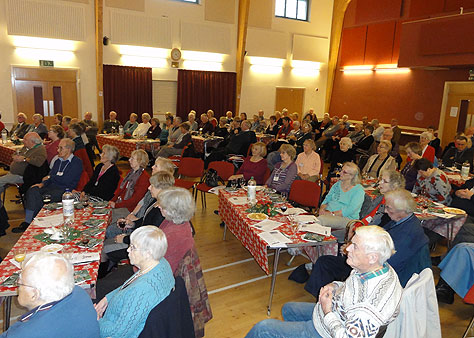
x=251, y=191
x=465, y=170
x=121, y=131
x=68, y=207
x=4, y=136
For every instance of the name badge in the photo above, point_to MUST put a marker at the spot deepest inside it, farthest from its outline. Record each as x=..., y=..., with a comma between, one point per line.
x=276, y=177
x=60, y=173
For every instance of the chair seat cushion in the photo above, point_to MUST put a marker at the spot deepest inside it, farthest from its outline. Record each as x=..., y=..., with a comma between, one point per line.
x=184, y=183
x=203, y=187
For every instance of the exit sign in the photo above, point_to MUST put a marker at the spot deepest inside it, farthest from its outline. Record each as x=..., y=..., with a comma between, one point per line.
x=46, y=63
x=471, y=75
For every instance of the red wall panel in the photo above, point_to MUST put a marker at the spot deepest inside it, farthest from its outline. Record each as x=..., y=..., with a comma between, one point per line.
x=396, y=42
x=422, y=8
x=379, y=45
x=377, y=10
x=454, y=5
x=353, y=46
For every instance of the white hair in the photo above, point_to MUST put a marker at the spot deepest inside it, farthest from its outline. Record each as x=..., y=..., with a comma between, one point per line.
x=150, y=239
x=427, y=135
x=177, y=204
x=376, y=240
x=346, y=140
x=51, y=274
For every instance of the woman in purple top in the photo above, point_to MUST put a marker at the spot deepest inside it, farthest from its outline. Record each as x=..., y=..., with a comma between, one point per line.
x=285, y=172
x=254, y=165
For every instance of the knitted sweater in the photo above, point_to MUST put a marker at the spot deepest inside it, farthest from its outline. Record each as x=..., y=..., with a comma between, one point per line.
x=359, y=308
x=128, y=308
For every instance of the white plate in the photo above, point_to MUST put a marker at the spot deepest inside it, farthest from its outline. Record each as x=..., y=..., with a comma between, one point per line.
x=257, y=216
x=51, y=248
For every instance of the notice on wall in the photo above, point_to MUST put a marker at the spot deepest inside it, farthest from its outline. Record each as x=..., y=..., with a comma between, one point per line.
x=453, y=112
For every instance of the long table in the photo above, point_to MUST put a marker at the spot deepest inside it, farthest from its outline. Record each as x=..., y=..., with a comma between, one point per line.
x=235, y=219
x=126, y=146
x=6, y=152
x=30, y=244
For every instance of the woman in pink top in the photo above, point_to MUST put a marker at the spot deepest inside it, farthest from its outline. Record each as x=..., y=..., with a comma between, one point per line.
x=55, y=134
x=308, y=162
x=254, y=165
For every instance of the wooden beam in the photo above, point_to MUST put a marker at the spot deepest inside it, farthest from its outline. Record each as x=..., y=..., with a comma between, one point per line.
x=99, y=59
x=339, y=11
x=243, y=18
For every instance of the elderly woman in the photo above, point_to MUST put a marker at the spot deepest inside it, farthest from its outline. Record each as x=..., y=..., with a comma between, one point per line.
x=428, y=151
x=221, y=129
x=129, y=306
x=106, y=175
x=155, y=130
x=134, y=185
x=177, y=147
x=344, y=200
x=38, y=126
x=255, y=123
x=300, y=138
x=55, y=134
x=273, y=127
x=414, y=152
x=192, y=120
x=206, y=127
x=212, y=119
x=254, y=166
x=308, y=162
x=341, y=155
x=431, y=182
x=285, y=172
x=380, y=161
x=143, y=127
x=165, y=131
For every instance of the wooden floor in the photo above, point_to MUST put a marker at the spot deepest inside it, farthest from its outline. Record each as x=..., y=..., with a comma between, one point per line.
x=238, y=288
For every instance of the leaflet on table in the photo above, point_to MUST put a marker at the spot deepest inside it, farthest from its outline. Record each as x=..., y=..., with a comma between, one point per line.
x=447, y=216
x=315, y=228
x=267, y=225
x=275, y=239
x=294, y=211
x=238, y=200
x=49, y=221
x=306, y=219
x=83, y=257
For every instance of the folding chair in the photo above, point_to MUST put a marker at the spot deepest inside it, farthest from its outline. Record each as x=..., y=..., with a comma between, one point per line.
x=306, y=193
x=189, y=167
x=224, y=170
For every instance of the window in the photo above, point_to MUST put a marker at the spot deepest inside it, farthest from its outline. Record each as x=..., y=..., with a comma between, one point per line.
x=292, y=9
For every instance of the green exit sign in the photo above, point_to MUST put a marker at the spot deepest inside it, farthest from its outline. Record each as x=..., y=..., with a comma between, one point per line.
x=46, y=63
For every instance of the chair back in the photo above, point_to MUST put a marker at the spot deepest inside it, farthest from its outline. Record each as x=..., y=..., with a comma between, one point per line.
x=82, y=181
x=417, y=263
x=171, y=318
x=191, y=167
x=469, y=297
x=224, y=169
x=305, y=193
x=86, y=163
x=419, y=316
x=267, y=175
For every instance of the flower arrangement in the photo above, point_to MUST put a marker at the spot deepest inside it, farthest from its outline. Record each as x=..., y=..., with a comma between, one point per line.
x=265, y=207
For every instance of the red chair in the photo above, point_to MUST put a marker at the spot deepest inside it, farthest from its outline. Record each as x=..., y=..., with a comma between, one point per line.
x=189, y=167
x=176, y=159
x=267, y=175
x=82, y=181
x=305, y=193
x=86, y=164
x=224, y=170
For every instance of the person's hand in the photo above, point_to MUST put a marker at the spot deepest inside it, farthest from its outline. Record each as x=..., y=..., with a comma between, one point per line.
x=17, y=158
x=39, y=185
x=100, y=307
x=119, y=238
x=111, y=204
x=464, y=193
x=130, y=217
x=45, y=178
x=325, y=297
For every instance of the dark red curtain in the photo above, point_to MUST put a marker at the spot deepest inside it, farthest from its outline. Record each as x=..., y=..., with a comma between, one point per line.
x=127, y=90
x=202, y=90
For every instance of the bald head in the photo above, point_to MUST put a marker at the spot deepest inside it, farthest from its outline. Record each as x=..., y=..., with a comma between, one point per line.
x=31, y=139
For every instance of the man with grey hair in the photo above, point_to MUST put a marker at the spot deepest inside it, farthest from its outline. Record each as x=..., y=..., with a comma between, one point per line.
x=358, y=307
x=378, y=130
x=21, y=128
x=175, y=131
x=33, y=153
x=112, y=124
x=56, y=308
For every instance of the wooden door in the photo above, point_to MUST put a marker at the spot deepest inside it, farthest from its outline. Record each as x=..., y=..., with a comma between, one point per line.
x=457, y=94
x=46, y=92
x=291, y=99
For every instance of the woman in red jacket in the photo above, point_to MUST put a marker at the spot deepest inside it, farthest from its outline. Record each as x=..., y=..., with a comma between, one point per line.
x=134, y=185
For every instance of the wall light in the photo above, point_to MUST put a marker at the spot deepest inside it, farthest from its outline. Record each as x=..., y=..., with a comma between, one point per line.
x=264, y=61
x=391, y=69
x=44, y=54
x=305, y=68
x=43, y=43
x=143, y=61
x=202, y=56
x=144, y=51
x=202, y=65
x=358, y=70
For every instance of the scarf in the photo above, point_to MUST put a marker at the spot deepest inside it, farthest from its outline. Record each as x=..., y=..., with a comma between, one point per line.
x=129, y=183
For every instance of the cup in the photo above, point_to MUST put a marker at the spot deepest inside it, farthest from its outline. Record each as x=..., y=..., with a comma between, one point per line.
x=20, y=255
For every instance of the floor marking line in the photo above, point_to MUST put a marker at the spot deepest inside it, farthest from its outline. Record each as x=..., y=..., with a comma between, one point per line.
x=231, y=264
x=246, y=282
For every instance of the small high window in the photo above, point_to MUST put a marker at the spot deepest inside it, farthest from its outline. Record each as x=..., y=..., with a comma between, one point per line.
x=292, y=9
x=192, y=1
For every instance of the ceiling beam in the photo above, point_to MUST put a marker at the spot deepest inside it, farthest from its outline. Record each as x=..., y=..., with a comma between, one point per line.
x=99, y=59
x=243, y=18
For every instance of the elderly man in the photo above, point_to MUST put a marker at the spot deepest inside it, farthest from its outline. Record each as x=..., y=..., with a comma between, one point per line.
x=459, y=154
x=112, y=124
x=409, y=238
x=261, y=115
x=329, y=132
x=74, y=133
x=38, y=126
x=33, y=153
x=378, y=130
x=175, y=131
x=56, y=308
x=21, y=128
x=64, y=174
x=357, y=134
x=206, y=126
x=358, y=307
x=131, y=124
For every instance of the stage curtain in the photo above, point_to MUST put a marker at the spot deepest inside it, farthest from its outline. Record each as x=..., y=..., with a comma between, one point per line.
x=127, y=90
x=203, y=90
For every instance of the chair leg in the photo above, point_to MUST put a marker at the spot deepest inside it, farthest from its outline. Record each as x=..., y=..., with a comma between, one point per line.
x=468, y=328
x=205, y=201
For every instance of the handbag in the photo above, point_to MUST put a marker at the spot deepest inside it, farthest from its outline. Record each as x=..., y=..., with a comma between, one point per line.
x=211, y=178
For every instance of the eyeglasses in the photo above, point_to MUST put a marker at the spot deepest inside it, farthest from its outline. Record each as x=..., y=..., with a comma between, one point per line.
x=18, y=284
x=133, y=247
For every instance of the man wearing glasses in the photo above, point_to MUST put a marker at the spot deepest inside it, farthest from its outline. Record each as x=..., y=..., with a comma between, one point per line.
x=459, y=154
x=56, y=308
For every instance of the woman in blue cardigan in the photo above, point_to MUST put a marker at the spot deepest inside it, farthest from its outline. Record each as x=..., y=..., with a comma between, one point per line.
x=127, y=307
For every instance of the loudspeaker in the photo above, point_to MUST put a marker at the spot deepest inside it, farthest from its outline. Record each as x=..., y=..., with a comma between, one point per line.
x=106, y=40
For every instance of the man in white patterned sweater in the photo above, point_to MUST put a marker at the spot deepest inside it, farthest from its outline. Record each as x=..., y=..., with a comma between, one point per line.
x=358, y=307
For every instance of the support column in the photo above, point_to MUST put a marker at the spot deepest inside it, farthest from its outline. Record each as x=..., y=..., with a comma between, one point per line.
x=244, y=6
x=339, y=11
x=99, y=59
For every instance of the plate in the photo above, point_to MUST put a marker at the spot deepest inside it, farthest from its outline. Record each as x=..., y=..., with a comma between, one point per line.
x=100, y=212
x=454, y=211
x=93, y=222
x=257, y=216
x=51, y=248
x=99, y=205
x=310, y=237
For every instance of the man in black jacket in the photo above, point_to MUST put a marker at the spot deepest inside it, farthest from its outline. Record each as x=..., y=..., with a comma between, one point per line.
x=460, y=154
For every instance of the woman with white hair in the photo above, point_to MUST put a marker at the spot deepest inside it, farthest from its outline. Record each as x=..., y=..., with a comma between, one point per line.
x=143, y=127
x=427, y=151
x=38, y=126
x=380, y=161
x=342, y=154
x=129, y=305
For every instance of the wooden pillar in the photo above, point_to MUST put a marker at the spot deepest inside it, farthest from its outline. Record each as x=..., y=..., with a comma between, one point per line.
x=244, y=6
x=99, y=59
x=339, y=10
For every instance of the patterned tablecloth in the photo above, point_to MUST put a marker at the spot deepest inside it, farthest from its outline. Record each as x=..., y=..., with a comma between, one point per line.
x=455, y=178
x=31, y=244
x=235, y=218
x=202, y=143
x=126, y=146
x=265, y=138
x=6, y=152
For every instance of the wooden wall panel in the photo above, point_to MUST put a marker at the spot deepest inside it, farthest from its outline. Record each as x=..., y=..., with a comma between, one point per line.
x=377, y=10
x=379, y=45
x=422, y=8
x=454, y=5
x=353, y=46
